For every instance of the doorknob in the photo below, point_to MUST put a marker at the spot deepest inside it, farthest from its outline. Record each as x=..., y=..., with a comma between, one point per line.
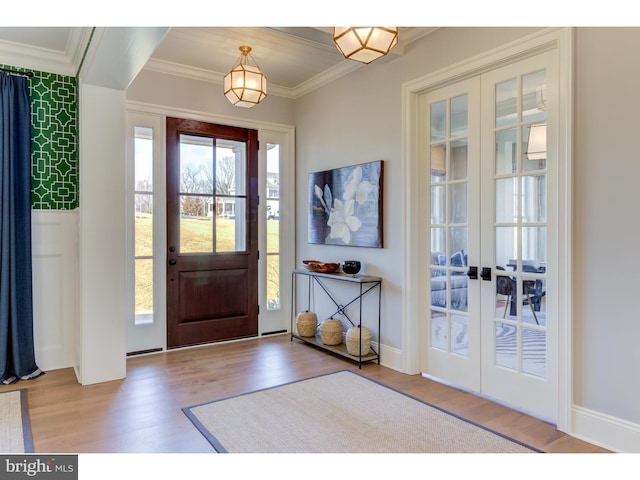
x=472, y=273
x=485, y=274
x=172, y=262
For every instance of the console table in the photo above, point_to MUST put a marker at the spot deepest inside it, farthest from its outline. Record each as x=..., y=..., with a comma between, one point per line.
x=369, y=289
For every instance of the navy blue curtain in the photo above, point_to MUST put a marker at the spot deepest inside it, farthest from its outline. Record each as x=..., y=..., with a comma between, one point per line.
x=17, y=353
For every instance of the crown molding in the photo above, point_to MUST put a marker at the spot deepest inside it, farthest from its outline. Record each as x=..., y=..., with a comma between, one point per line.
x=65, y=62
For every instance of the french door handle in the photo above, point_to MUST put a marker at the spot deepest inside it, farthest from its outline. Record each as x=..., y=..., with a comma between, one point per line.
x=485, y=274
x=472, y=273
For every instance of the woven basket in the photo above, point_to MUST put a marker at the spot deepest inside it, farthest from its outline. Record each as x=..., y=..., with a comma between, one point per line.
x=353, y=341
x=307, y=324
x=331, y=331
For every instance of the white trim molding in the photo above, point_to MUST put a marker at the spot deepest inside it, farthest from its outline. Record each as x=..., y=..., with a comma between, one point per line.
x=606, y=431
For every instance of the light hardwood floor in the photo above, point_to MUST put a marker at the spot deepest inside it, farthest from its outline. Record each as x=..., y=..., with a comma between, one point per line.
x=142, y=413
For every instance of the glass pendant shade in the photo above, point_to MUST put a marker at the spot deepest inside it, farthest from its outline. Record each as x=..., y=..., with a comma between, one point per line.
x=537, y=142
x=245, y=85
x=365, y=44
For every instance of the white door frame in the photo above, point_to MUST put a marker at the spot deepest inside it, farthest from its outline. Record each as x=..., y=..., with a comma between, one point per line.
x=562, y=40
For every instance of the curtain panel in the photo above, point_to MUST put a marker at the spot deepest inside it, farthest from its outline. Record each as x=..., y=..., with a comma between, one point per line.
x=17, y=352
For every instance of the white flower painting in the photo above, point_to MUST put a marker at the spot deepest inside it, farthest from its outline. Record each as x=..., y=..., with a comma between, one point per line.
x=346, y=206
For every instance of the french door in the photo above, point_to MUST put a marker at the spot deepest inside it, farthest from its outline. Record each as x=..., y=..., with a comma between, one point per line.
x=212, y=232
x=489, y=182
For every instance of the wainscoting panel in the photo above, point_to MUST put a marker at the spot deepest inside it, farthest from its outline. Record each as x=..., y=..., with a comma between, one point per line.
x=55, y=286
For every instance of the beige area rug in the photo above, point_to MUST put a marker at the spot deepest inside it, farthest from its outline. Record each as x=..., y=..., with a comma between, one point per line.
x=15, y=426
x=340, y=412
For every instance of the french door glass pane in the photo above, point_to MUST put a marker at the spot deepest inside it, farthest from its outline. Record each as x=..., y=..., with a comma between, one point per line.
x=534, y=94
x=439, y=332
x=506, y=152
x=459, y=159
x=506, y=200
x=506, y=246
x=534, y=198
x=438, y=246
x=534, y=246
x=438, y=162
x=438, y=121
x=458, y=203
x=459, y=116
x=273, y=226
x=507, y=102
x=534, y=147
x=506, y=342
x=534, y=352
x=438, y=206
x=460, y=335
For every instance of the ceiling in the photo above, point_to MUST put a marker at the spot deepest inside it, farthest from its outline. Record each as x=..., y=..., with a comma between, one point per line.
x=295, y=60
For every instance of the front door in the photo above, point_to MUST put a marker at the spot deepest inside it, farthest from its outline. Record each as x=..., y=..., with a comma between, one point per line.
x=212, y=232
x=490, y=191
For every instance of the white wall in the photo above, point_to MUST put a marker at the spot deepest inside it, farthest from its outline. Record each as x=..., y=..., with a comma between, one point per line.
x=55, y=285
x=101, y=332
x=606, y=252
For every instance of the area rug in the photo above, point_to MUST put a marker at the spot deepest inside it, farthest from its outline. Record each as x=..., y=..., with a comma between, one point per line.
x=15, y=425
x=340, y=412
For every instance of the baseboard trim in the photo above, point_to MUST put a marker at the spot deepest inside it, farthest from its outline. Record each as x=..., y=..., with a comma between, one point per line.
x=606, y=431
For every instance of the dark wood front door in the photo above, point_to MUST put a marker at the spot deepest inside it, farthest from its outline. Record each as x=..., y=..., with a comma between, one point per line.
x=212, y=232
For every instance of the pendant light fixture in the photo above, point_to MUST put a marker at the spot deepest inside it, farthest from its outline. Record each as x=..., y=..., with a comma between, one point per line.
x=245, y=85
x=365, y=44
x=537, y=142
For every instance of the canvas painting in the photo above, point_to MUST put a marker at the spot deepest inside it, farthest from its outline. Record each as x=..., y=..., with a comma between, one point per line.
x=345, y=206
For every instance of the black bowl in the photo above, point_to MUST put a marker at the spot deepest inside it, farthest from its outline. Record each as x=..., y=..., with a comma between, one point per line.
x=351, y=267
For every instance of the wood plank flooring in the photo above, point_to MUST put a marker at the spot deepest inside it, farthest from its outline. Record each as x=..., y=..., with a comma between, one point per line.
x=142, y=413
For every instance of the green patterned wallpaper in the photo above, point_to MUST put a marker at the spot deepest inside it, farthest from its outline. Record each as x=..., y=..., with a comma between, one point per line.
x=54, y=141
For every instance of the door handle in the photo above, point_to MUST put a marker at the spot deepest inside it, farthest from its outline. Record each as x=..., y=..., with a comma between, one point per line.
x=472, y=273
x=485, y=274
x=172, y=262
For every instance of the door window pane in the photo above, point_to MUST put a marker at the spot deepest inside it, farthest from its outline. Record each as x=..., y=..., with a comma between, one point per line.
x=534, y=352
x=534, y=95
x=534, y=246
x=143, y=224
x=439, y=331
x=506, y=242
x=459, y=116
x=438, y=246
x=196, y=164
x=534, y=147
x=506, y=200
x=438, y=121
x=438, y=206
x=144, y=285
x=438, y=162
x=506, y=345
x=231, y=164
x=459, y=159
x=458, y=202
x=534, y=198
x=506, y=151
x=460, y=335
x=196, y=226
x=273, y=226
x=231, y=229
x=507, y=102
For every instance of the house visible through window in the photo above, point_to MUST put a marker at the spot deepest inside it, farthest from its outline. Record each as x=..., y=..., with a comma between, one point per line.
x=273, y=226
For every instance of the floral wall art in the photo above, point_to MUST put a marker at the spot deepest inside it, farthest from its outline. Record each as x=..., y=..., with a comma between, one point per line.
x=345, y=206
